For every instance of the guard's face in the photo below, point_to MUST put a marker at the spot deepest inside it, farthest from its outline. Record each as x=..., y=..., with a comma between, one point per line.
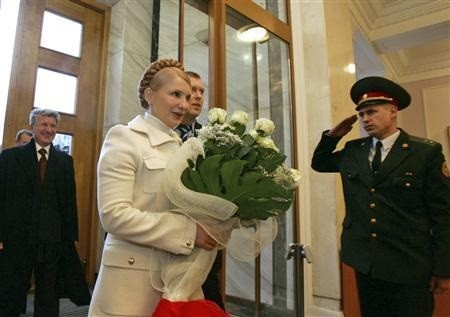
x=379, y=121
x=44, y=130
x=170, y=102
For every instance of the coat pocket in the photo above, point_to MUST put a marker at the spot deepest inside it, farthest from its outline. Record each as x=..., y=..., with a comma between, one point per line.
x=408, y=191
x=153, y=171
x=124, y=287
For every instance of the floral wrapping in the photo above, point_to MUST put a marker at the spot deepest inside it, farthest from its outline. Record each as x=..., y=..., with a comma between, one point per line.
x=235, y=197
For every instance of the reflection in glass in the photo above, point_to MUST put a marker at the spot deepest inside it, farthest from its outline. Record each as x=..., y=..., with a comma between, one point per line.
x=196, y=51
x=258, y=82
x=63, y=142
x=55, y=91
x=61, y=34
x=276, y=7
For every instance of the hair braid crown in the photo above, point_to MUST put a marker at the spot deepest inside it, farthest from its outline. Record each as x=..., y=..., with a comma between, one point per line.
x=150, y=73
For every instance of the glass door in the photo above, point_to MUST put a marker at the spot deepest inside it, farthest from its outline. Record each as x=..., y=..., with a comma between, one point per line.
x=253, y=75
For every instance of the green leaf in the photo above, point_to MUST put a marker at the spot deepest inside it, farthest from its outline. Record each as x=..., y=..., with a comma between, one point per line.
x=250, y=178
x=270, y=159
x=239, y=129
x=187, y=180
x=197, y=181
x=261, y=208
x=248, y=139
x=231, y=172
x=264, y=199
x=209, y=171
x=191, y=163
x=243, y=150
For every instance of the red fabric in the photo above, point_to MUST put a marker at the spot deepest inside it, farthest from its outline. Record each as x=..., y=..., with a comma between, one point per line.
x=196, y=308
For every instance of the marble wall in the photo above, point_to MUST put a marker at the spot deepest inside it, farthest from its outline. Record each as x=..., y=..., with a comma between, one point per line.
x=129, y=55
x=322, y=49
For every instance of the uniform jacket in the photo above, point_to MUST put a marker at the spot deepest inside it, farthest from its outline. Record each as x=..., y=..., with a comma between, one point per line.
x=19, y=188
x=397, y=222
x=131, y=208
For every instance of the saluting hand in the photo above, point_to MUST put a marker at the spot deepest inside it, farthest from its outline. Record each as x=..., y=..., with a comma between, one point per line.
x=343, y=127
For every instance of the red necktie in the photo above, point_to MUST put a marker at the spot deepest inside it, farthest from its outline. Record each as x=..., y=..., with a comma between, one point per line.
x=42, y=163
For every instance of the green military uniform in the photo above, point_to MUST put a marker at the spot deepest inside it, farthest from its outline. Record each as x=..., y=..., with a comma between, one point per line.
x=397, y=223
x=396, y=231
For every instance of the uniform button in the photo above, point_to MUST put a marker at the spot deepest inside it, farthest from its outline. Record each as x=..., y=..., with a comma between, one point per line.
x=372, y=190
x=373, y=220
x=374, y=235
x=408, y=184
x=131, y=261
x=372, y=205
x=188, y=243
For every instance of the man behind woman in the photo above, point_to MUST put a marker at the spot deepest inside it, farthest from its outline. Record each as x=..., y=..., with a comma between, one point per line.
x=130, y=167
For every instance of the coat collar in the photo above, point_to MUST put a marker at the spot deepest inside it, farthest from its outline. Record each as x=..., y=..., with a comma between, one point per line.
x=156, y=131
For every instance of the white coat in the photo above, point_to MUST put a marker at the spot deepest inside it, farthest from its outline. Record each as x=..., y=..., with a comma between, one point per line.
x=131, y=162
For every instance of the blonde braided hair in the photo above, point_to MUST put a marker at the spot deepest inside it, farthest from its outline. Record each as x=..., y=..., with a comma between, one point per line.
x=152, y=77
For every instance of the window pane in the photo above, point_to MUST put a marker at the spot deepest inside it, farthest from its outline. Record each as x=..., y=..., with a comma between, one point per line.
x=276, y=7
x=61, y=34
x=63, y=142
x=258, y=82
x=55, y=91
x=196, y=51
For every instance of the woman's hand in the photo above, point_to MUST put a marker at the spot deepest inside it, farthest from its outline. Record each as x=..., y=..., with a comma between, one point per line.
x=204, y=240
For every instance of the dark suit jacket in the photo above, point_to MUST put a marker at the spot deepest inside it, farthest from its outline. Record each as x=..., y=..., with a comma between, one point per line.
x=19, y=201
x=397, y=222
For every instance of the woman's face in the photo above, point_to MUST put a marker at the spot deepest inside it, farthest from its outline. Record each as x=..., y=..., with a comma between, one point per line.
x=170, y=101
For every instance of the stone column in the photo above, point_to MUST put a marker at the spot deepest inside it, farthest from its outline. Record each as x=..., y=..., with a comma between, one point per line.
x=323, y=48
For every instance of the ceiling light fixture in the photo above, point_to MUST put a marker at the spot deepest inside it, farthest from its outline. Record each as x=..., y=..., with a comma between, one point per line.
x=252, y=33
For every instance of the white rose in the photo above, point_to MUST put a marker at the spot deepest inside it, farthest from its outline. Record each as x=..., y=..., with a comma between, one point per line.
x=253, y=133
x=217, y=115
x=265, y=127
x=296, y=177
x=267, y=143
x=239, y=117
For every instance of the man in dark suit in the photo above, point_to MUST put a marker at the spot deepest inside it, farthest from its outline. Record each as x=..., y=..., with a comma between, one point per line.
x=38, y=223
x=189, y=124
x=396, y=231
x=211, y=288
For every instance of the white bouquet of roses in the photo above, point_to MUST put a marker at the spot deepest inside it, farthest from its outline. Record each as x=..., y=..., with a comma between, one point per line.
x=234, y=184
x=245, y=168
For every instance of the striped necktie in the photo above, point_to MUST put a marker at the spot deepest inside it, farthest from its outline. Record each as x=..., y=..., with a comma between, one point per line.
x=184, y=131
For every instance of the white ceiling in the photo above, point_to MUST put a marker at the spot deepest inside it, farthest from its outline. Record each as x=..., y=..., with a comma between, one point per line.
x=411, y=37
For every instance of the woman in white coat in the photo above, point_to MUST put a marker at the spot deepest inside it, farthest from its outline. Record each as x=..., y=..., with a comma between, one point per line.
x=130, y=203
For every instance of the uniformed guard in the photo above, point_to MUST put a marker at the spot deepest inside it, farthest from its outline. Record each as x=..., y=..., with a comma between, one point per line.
x=396, y=231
